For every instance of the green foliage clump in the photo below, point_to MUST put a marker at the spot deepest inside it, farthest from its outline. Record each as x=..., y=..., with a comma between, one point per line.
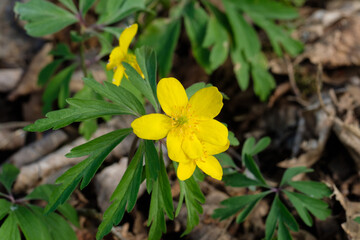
x=21, y=214
x=306, y=199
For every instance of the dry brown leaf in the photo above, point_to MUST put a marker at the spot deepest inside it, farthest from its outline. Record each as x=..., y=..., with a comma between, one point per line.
x=349, y=135
x=55, y=162
x=339, y=46
x=279, y=91
x=352, y=210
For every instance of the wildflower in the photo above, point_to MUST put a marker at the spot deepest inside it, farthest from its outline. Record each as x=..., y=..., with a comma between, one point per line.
x=193, y=136
x=120, y=54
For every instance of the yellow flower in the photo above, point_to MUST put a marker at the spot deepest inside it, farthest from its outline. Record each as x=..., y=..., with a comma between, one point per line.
x=193, y=136
x=120, y=54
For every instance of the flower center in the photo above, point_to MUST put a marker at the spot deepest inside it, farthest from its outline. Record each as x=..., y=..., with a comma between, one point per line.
x=181, y=121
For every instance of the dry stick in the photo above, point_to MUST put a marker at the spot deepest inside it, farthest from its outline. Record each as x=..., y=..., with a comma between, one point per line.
x=291, y=75
x=10, y=125
x=318, y=88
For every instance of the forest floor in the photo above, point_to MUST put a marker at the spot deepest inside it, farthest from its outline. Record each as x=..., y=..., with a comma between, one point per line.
x=312, y=118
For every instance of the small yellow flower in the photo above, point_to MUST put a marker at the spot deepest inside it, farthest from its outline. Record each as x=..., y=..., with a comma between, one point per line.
x=193, y=136
x=120, y=54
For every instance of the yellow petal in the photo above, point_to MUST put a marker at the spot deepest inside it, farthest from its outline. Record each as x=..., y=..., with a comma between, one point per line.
x=152, y=126
x=212, y=131
x=211, y=166
x=211, y=149
x=115, y=58
x=131, y=59
x=118, y=75
x=186, y=170
x=172, y=96
x=173, y=142
x=127, y=36
x=192, y=146
x=206, y=103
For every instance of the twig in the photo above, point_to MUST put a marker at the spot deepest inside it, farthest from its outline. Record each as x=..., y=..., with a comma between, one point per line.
x=318, y=88
x=10, y=125
x=295, y=89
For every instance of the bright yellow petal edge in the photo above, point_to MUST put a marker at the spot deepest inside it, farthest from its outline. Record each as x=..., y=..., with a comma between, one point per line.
x=120, y=54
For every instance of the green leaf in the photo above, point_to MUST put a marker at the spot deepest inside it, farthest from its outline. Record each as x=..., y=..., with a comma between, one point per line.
x=115, y=10
x=105, y=39
x=85, y=5
x=225, y=160
x=252, y=149
x=286, y=217
x=63, y=51
x=240, y=180
x=30, y=224
x=292, y=172
x=272, y=219
x=191, y=192
x=241, y=68
x=235, y=204
x=57, y=227
x=8, y=175
x=41, y=192
x=233, y=140
x=152, y=165
x=268, y=8
x=161, y=202
x=146, y=58
x=69, y=213
x=9, y=229
x=277, y=36
x=196, y=21
x=115, y=31
x=123, y=194
x=162, y=34
x=118, y=95
x=142, y=85
x=246, y=211
x=300, y=208
x=264, y=82
x=82, y=110
x=279, y=214
x=313, y=189
x=245, y=37
x=53, y=88
x=70, y=5
x=254, y=169
x=195, y=87
x=97, y=150
x=44, y=192
x=217, y=38
x=357, y=219
x=303, y=203
x=40, y=22
x=48, y=71
x=87, y=128
x=4, y=209
x=64, y=93
x=283, y=232
x=220, y=16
